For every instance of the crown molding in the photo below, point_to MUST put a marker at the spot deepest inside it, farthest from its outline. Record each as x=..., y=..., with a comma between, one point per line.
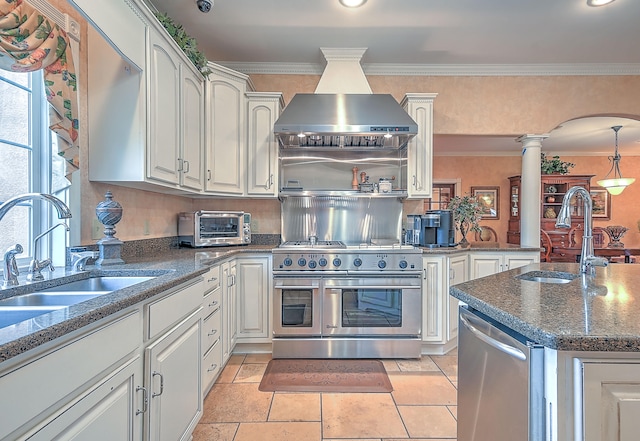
x=444, y=69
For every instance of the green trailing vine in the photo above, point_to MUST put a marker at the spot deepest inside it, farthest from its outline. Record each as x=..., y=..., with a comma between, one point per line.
x=185, y=42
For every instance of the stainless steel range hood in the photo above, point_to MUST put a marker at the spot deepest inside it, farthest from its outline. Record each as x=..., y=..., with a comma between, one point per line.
x=344, y=121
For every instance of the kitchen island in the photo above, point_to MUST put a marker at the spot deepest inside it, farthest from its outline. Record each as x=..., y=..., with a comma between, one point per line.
x=590, y=330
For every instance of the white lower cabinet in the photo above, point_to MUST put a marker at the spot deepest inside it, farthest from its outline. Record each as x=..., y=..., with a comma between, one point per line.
x=439, y=310
x=172, y=379
x=104, y=413
x=212, y=312
x=229, y=317
x=611, y=400
x=487, y=263
x=254, y=298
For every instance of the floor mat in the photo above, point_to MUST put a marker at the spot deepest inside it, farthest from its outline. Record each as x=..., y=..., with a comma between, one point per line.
x=335, y=375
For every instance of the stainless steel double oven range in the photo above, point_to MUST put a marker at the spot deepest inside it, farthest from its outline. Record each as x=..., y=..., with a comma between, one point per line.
x=337, y=301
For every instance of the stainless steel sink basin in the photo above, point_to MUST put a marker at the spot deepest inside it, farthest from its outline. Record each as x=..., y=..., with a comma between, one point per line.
x=548, y=277
x=26, y=306
x=100, y=283
x=11, y=315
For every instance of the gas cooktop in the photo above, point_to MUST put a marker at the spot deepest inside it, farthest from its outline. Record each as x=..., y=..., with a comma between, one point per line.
x=324, y=244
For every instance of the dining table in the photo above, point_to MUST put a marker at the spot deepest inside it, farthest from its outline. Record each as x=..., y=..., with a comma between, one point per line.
x=607, y=252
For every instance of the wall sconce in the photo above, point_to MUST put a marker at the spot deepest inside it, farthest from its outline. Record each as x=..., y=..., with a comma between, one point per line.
x=617, y=183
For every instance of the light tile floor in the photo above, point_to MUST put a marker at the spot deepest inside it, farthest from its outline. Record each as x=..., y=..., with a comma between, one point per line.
x=422, y=406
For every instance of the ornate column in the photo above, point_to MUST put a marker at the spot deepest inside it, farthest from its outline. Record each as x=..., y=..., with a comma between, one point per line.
x=530, y=191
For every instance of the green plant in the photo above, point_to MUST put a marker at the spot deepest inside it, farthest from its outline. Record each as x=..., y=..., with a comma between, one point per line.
x=188, y=44
x=467, y=213
x=554, y=165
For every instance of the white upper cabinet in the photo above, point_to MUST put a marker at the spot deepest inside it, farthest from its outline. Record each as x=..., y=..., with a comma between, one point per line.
x=263, y=109
x=193, y=128
x=164, y=111
x=420, y=149
x=226, y=122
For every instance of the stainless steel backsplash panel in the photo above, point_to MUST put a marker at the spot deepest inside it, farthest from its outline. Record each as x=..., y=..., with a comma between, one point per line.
x=349, y=219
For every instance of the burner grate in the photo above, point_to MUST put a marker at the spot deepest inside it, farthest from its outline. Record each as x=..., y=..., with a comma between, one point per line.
x=307, y=244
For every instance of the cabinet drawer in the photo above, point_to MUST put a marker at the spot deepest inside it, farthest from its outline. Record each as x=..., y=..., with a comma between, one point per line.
x=173, y=308
x=38, y=385
x=212, y=278
x=212, y=301
x=211, y=330
x=211, y=365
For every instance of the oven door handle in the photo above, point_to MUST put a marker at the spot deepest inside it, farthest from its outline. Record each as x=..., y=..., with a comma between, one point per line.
x=282, y=285
x=391, y=285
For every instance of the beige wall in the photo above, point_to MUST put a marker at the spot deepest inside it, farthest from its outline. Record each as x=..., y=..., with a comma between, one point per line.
x=465, y=105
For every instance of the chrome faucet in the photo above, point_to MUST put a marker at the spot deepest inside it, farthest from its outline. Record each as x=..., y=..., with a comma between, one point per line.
x=11, y=272
x=79, y=259
x=36, y=266
x=587, y=259
x=63, y=210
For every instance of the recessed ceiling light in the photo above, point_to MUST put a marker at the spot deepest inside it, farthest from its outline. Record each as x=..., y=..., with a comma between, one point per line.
x=358, y=3
x=599, y=2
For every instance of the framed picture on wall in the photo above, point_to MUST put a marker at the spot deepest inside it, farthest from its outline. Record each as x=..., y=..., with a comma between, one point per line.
x=489, y=199
x=601, y=200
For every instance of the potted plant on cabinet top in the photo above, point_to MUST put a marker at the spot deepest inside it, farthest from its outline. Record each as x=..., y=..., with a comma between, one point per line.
x=554, y=165
x=467, y=212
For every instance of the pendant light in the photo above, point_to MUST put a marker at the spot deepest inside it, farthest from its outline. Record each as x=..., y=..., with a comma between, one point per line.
x=617, y=183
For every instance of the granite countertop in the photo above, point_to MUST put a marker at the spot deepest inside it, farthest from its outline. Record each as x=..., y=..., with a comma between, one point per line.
x=600, y=313
x=478, y=246
x=171, y=268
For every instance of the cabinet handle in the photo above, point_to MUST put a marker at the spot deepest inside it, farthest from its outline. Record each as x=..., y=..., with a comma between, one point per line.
x=424, y=273
x=415, y=181
x=179, y=164
x=208, y=175
x=212, y=368
x=212, y=333
x=212, y=304
x=153, y=374
x=271, y=180
x=145, y=400
x=185, y=163
x=452, y=273
x=213, y=279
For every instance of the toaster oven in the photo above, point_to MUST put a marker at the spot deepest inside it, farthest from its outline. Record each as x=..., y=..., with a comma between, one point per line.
x=214, y=228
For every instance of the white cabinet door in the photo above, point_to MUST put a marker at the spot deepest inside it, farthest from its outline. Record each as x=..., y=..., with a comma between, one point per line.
x=262, y=160
x=458, y=273
x=420, y=149
x=229, y=307
x=111, y=411
x=227, y=124
x=192, y=147
x=164, y=107
x=173, y=381
x=611, y=401
x=253, y=298
x=434, y=286
x=485, y=264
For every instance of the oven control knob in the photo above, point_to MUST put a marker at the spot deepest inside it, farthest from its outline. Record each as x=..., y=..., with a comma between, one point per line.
x=322, y=261
x=302, y=261
x=337, y=262
x=382, y=264
x=312, y=264
x=287, y=261
x=403, y=264
x=357, y=262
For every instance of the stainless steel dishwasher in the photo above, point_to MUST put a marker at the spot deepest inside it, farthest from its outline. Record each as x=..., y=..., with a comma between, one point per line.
x=500, y=382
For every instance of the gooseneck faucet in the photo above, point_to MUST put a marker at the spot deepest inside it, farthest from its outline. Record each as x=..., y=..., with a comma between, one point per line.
x=587, y=259
x=36, y=266
x=63, y=210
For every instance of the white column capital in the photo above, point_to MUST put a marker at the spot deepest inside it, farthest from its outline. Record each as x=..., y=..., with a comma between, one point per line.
x=531, y=138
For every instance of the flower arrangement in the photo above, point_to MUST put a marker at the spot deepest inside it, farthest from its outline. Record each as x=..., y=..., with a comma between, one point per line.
x=467, y=212
x=185, y=42
x=554, y=165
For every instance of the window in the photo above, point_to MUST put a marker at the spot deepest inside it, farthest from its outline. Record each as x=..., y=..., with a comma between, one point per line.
x=442, y=193
x=29, y=163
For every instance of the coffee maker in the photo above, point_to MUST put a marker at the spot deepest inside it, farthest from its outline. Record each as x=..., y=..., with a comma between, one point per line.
x=433, y=229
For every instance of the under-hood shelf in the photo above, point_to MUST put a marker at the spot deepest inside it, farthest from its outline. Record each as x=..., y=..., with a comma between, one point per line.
x=341, y=193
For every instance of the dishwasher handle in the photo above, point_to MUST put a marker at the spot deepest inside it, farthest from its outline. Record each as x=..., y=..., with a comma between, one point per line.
x=503, y=347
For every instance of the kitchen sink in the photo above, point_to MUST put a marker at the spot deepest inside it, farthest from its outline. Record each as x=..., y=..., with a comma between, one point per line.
x=26, y=306
x=100, y=283
x=548, y=277
x=10, y=315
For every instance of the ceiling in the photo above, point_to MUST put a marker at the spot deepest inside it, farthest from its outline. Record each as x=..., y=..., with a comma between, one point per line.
x=433, y=35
